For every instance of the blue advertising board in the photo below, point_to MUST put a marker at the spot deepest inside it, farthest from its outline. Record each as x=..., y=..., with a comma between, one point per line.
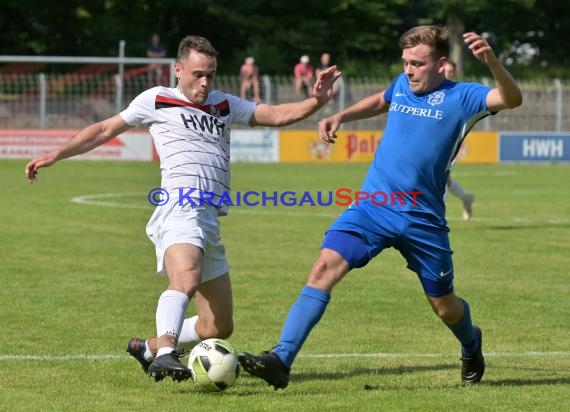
x=534, y=147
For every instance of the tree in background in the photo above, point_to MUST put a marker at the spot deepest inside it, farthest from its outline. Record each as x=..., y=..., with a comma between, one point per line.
x=529, y=34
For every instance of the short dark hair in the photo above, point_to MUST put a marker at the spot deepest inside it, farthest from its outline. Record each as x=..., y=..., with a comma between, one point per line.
x=196, y=43
x=436, y=37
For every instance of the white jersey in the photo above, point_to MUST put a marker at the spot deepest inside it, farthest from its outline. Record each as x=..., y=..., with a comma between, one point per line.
x=192, y=141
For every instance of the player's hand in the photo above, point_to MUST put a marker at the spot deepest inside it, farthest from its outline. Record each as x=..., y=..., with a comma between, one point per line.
x=323, y=88
x=328, y=128
x=33, y=166
x=480, y=47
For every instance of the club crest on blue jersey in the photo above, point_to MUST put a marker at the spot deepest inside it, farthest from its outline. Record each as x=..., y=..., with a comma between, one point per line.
x=436, y=98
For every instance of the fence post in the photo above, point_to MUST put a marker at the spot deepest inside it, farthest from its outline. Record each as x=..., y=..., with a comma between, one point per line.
x=341, y=94
x=120, y=77
x=43, y=99
x=558, y=87
x=267, y=95
x=172, y=77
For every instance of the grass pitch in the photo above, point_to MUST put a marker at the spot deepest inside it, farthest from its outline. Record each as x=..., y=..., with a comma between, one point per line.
x=78, y=281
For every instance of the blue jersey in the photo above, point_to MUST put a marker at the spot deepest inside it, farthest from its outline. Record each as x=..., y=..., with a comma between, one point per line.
x=422, y=137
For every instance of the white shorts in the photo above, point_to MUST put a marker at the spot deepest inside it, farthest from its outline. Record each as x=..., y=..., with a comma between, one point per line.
x=198, y=225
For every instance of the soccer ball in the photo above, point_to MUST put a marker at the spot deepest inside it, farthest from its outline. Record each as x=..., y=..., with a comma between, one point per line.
x=214, y=364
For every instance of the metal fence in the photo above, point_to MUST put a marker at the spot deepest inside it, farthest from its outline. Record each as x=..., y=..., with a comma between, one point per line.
x=34, y=95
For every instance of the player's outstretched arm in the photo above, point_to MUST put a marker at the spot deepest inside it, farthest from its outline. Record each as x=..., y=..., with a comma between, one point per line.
x=84, y=141
x=289, y=113
x=368, y=107
x=507, y=93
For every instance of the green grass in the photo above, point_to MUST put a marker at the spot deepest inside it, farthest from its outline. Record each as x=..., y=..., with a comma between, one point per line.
x=79, y=280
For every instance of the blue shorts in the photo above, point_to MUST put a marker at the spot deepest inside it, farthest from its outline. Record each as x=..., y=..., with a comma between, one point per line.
x=420, y=238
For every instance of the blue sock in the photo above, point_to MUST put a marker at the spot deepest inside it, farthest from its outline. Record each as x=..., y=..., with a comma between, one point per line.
x=464, y=331
x=303, y=316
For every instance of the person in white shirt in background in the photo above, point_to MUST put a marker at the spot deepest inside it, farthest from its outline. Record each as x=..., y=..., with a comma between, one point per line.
x=453, y=185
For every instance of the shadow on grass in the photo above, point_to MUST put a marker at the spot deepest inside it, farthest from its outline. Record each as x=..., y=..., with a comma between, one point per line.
x=529, y=382
x=484, y=383
x=372, y=373
x=525, y=226
x=349, y=373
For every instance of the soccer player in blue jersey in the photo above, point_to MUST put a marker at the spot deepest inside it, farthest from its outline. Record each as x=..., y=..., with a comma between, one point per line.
x=428, y=117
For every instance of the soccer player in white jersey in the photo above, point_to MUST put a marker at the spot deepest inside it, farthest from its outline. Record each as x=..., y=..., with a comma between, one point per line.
x=428, y=116
x=191, y=126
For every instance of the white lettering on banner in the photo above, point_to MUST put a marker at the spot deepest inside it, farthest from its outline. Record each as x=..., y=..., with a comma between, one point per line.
x=30, y=143
x=33, y=140
x=547, y=148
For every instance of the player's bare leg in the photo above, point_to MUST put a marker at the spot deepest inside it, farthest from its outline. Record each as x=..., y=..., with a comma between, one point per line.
x=467, y=198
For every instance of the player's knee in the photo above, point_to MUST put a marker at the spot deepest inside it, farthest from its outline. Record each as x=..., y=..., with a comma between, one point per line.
x=320, y=271
x=220, y=330
x=449, y=314
x=324, y=274
x=440, y=312
x=184, y=282
x=226, y=330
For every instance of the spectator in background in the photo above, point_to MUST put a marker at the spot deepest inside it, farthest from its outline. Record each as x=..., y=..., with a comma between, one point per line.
x=249, y=77
x=453, y=185
x=156, y=50
x=326, y=62
x=303, y=77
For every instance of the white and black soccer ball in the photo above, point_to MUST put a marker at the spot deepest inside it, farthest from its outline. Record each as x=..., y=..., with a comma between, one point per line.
x=214, y=364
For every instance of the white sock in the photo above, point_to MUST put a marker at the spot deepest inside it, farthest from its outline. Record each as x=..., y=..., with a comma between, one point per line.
x=170, y=311
x=188, y=335
x=456, y=189
x=164, y=351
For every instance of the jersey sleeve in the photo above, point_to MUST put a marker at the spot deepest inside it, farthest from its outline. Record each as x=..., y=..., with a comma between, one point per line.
x=390, y=90
x=140, y=111
x=474, y=97
x=240, y=109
